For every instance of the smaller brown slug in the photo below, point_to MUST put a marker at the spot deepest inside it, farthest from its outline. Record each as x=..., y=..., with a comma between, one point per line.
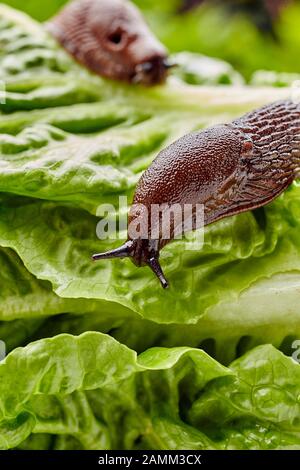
x=111, y=38
x=228, y=168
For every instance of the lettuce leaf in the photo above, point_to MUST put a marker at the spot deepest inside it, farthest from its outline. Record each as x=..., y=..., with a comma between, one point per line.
x=260, y=250
x=198, y=69
x=99, y=394
x=264, y=396
x=24, y=297
x=55, y=370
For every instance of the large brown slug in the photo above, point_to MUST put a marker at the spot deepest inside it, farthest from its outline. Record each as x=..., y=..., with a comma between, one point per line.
x=228, y=168
x=111, y=38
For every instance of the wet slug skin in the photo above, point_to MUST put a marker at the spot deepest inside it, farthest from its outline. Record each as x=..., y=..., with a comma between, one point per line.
x=227, y=169
x=111, y=38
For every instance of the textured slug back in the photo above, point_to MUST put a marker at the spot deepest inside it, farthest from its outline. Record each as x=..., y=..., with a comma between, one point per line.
x=73, y=31
x=272, y=159
x=191, y=169
x=70, y=24
x=275, y=132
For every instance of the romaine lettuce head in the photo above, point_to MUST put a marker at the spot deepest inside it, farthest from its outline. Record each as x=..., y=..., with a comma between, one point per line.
x=106, y=358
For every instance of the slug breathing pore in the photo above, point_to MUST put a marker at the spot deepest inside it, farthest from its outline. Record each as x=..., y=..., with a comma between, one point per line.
x=227, y=169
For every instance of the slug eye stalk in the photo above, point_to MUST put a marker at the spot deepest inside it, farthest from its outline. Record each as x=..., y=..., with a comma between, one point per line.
x=156, y=268
x=120, y=252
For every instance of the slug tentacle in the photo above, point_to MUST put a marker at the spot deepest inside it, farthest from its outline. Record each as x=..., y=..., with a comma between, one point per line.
x=142, y=253
x=120, y=252
x=156, y=268
x=227, y=169
x=111, y=38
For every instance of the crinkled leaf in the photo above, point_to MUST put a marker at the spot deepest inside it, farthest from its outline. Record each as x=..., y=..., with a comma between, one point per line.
x=163, y=399
x=238, y=255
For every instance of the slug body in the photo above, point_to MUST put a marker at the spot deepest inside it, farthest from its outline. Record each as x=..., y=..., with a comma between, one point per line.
x=111, y=38
x=228, y=169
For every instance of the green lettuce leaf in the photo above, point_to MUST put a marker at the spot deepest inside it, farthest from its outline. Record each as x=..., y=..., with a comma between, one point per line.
x=264, y=396
x=18, y=332
x=24, y=297
x=198, y=69
x=97, y=393
x=241, y=257
x=48, y=396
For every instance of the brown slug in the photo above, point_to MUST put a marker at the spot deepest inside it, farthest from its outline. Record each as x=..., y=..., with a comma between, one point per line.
x=228, y=168
x=111, y=38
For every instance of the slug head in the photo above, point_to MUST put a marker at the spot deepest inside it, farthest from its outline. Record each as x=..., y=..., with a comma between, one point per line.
x=142, y=252
x=111, y=38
